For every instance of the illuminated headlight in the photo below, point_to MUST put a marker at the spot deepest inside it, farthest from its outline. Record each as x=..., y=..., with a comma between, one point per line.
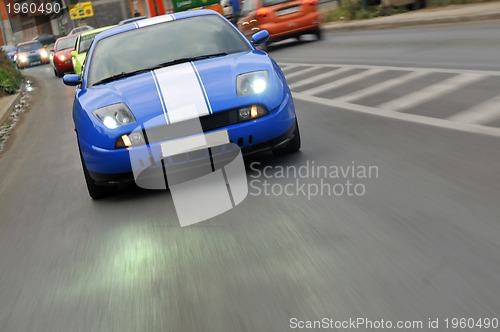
x=44, y=54
x=62, y=57
x=115, y=115
x=23, y=58
x=250, y=113
x=132, y=139
x=250, y=83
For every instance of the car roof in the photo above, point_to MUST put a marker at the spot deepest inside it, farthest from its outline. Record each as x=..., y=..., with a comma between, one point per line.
x=73, y=35
x=29, y=42
x=91, y=32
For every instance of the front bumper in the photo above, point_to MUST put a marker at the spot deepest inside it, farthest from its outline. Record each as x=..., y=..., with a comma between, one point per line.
x=120, y=179
x=113, y=166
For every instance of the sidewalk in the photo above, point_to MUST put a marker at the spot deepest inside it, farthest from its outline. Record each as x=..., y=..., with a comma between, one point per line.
x=437, y=15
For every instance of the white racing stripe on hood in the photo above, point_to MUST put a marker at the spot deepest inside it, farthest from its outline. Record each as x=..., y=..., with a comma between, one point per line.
x=154, y=20
x=181, y=93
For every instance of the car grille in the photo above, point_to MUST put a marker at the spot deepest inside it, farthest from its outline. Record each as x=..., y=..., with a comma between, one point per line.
x=34, y=57
x=192, y=126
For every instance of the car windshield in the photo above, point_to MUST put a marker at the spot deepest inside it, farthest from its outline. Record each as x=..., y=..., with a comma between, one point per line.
x=66, y=43
x=148, y=47
x=85, y=42
x=30, y=47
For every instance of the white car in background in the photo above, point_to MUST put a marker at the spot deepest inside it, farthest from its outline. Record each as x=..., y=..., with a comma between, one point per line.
x=81, y=29
x=227, y=9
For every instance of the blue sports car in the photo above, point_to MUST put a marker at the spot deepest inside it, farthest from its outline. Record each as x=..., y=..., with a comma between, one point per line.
x=159, y=79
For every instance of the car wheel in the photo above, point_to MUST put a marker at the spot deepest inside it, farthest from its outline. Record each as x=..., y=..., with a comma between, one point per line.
x=292, y=146
x=56, y=73
x=418, y=4
x=95, y=191
x=319, y=34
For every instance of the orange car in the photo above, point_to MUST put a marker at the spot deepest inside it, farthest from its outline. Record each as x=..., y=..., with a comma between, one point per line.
x=282, y=18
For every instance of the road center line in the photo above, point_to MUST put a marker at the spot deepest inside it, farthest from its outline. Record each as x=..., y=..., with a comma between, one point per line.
x=483, y=113
x=343, y=81
x=431, y=92
x=381, y=87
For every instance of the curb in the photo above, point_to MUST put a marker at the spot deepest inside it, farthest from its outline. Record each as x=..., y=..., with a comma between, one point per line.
x=409, y=23
x=7, y=110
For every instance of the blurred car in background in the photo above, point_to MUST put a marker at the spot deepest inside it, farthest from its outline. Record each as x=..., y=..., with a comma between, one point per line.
x=227, y=9
x=31, y=53
x=81, y=29
x=83, y=42
x=10, y=50
x=281, y=18
x=46, y=39
x=61, y=55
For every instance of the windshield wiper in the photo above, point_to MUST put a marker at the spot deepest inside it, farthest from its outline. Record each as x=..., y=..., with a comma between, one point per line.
x=161, y=65
x=183, y=60
x=119, y=76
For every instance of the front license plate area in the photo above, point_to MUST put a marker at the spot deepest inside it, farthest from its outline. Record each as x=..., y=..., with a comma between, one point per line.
x=195, y=142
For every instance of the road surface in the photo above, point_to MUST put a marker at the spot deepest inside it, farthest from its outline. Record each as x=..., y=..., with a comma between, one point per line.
x=419, y=239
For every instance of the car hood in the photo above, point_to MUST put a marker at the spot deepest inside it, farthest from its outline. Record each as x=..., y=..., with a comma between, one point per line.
x=66, y=52
x=147, y=99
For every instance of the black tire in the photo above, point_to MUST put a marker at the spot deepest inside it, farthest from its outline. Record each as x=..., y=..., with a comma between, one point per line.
x=418, y=4
x=56, y=73
x=292, y=146
x=95, y=191
x=319, y=34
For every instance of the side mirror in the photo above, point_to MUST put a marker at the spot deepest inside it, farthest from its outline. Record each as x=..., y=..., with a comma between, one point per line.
x=260, y=37
x=73, y=54
x=72, y=79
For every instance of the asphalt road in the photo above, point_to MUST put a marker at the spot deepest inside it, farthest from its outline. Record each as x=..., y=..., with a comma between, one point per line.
x=420, y=243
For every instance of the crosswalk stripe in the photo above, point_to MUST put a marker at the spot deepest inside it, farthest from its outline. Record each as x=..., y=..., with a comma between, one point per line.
x=288, y=67
x=300, y=72
x=483, y=113
x=431, y=92
x=380, y=87
x=343, y=81
x=333, y=73
x=442, y=123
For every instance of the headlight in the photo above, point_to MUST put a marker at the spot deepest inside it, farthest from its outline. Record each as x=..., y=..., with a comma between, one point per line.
x=115, y=115
x=43, y=53
x=23, y=58
x=250, y=83
x=62, y=57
